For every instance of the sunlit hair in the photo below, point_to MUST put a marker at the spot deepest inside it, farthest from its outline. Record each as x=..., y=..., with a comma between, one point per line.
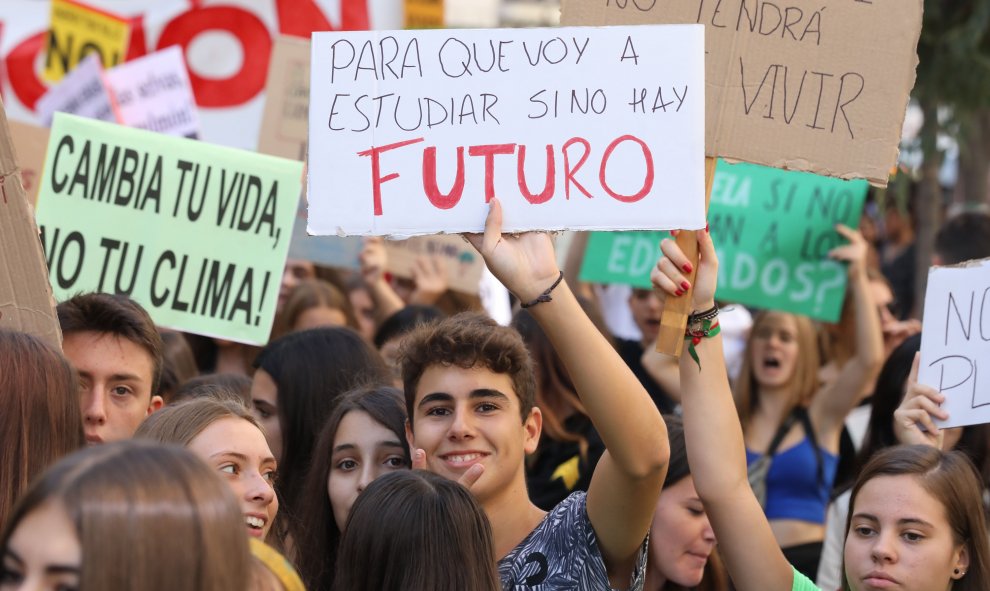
x=147, y=516
x=950, y=478
x=180, y=423
x=271, y=571
x=414, y=530
x=315, y=531
x=804, y=381
x=41, y=421
x=216, y=385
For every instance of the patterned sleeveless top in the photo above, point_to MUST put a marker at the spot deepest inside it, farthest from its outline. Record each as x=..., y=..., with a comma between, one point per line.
x=562, y=554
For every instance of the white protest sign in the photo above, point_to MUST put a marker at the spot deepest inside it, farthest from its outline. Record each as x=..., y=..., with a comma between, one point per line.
x=413, y=132
x=955, y=342
x=81, y=92
x=154, y=93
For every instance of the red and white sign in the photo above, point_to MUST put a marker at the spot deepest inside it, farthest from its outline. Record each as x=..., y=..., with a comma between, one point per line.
x=591, y=128
x=227, y=45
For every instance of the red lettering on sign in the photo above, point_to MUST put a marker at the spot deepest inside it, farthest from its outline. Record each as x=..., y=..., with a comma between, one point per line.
x=376, y=170
x=647, y=182
x=256, y=46
x=20, y=70
x=570, y=172
x=138, y=44
x=548, y=185
x=296, y=17
x=489, y=153
x=433, y=193
x=302, y=17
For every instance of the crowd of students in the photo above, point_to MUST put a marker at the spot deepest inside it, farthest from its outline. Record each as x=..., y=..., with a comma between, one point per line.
x=397, y=437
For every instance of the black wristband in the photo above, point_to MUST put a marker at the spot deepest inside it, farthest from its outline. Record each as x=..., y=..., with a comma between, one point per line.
x=545, y=296
x=708, y=314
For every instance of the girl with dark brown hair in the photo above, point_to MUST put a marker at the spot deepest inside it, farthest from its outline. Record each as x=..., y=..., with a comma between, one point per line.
x=363, y=438
x=416, y=531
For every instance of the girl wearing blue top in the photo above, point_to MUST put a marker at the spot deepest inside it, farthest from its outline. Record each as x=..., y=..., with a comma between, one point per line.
x=779, y=390
x=916, y=518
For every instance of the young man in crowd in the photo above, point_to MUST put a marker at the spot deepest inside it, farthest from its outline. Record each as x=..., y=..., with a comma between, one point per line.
x=115, y=347
x=470, y=392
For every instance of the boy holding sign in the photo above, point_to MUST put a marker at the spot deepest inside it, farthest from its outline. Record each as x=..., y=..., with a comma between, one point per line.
x=469, y=389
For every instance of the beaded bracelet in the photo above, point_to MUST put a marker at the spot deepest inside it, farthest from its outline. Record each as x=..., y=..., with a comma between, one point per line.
x=701, y=325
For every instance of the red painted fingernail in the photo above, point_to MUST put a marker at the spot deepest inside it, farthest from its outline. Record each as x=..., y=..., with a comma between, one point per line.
x=706, y=228
x=687, y=267
x=678, y=292
x=685, y=285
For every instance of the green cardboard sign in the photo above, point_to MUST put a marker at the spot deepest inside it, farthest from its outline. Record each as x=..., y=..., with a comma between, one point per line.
x=196, y=233
x=772, y=229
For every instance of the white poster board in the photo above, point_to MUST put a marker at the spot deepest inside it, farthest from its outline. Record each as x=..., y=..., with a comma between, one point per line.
x=955, y=342
x=413, y=132
x=81, y=92
x=154, y=93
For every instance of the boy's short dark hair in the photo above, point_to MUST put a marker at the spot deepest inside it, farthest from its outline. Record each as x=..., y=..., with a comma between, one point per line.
x=467, y=340
x=116, y=315
x=963, y=238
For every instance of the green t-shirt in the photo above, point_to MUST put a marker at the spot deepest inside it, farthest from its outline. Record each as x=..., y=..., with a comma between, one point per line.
x=802, y=583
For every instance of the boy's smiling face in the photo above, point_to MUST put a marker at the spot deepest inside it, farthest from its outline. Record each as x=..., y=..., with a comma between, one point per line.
x=466, y=416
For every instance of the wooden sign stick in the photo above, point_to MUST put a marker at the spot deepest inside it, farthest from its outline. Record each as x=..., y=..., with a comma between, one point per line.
x=673, y=319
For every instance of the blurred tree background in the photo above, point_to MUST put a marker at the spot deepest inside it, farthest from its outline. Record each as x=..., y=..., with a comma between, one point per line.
x=953, y=92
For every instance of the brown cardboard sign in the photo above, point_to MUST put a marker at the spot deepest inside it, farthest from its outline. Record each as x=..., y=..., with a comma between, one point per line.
x=284, y=133
x=285, y=119
x=463, y=263
x=31, y=144
x=819, y=87
x=26, y=302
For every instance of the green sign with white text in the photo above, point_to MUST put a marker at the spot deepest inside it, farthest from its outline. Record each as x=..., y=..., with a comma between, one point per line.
x=196, y=233
x=772, y=229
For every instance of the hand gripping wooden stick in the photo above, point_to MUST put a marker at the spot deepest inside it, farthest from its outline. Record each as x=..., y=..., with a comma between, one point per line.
x=673, y=319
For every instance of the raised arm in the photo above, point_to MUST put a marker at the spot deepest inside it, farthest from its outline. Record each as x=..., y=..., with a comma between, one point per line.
x=831, y=404
x=430, y=275
x=714, y=438
x=373, y=259
x=628, y=478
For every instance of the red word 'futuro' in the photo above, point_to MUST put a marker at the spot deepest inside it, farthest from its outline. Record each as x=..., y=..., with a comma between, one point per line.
x=448, y=200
